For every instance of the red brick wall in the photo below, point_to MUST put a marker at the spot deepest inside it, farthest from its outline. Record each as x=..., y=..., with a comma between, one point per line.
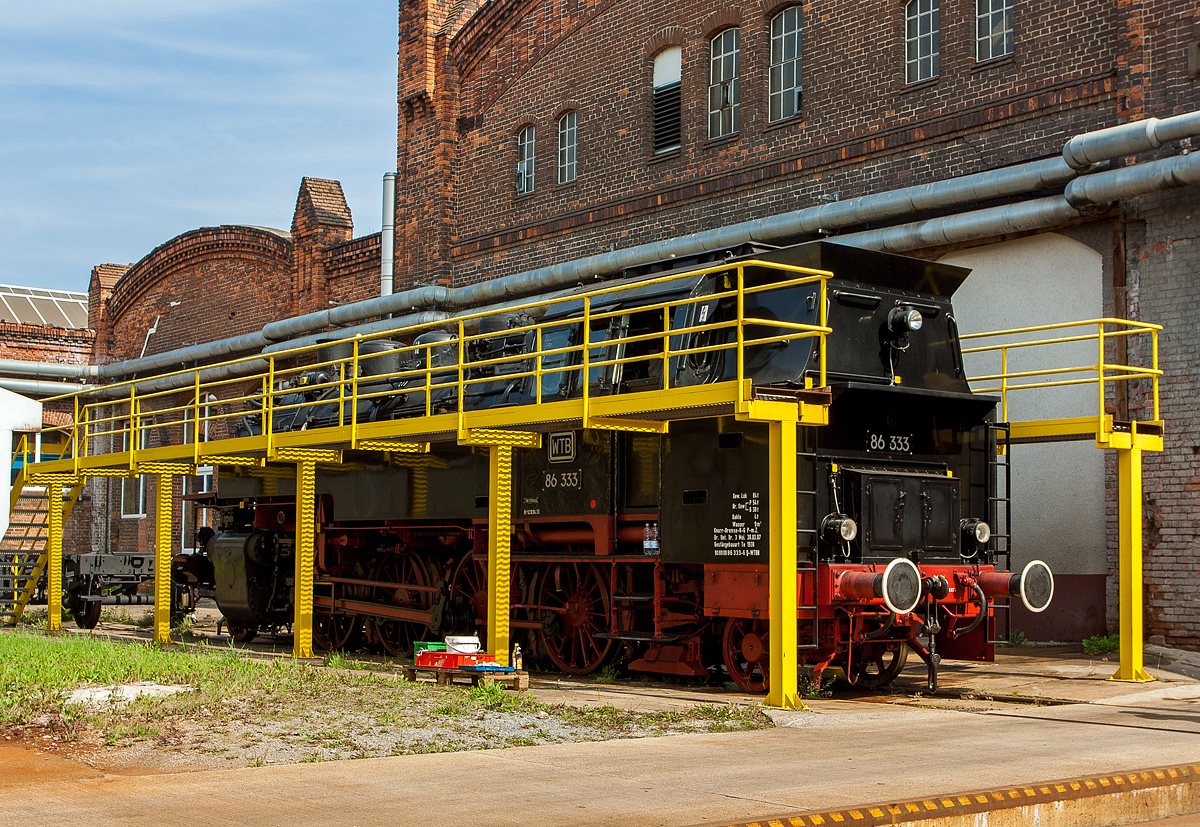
x=43, y=343
x=1078, y=65
x=227, y=281
x=352, y=270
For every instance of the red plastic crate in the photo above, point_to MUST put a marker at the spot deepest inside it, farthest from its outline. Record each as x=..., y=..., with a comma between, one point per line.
x=449, y=660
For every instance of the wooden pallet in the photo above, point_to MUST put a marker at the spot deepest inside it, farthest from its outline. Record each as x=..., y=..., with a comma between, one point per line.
x=447, y=677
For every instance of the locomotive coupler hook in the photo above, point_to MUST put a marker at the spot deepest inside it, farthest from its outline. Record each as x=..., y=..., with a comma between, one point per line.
x=983, y=606
x=882, y=630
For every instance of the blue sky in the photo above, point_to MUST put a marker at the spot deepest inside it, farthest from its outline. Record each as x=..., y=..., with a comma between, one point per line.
x=126, y=122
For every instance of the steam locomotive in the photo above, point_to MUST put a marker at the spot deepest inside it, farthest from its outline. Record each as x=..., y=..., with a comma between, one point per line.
x=652, y=549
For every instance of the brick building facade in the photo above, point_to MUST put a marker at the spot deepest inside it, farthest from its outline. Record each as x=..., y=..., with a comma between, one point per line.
x=208, y=284
x=527, y=137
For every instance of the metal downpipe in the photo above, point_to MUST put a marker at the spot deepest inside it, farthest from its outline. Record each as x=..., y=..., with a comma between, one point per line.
x=387, y=236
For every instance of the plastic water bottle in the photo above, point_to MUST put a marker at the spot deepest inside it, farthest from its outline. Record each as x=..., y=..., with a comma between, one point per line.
x=650, y=540
x=516, y=658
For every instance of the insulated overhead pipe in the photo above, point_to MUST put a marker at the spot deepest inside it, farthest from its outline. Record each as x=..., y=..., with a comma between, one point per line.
x=1129, y=139
x=1089, y=191
x=1079, y=154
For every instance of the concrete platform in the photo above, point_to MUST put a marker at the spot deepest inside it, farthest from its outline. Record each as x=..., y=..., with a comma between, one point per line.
x=844, y=755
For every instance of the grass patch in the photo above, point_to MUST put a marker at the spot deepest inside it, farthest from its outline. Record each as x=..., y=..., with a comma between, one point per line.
x=240, y=710
x=1101, y=644
x=1017, y=639
x=116, y=614
x=607, y=675
x=37, y=615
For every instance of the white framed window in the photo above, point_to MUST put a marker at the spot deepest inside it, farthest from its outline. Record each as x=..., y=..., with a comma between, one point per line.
x=133, y=489
x=668, y=99
x=568, y=135
x=526, y=141
x=786, y=79
x=193, y=518
x=993, y=29
x=723, y=85
x=922, y=40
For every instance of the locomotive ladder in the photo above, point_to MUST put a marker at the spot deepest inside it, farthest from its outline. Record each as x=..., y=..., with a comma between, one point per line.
x=806, y=538
x=999, y=505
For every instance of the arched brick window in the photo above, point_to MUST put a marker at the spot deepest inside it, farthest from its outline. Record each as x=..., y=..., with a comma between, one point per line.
x=526, y=143
x=922, y=40
x=668, y=112
x=786, y=78
x=723, y=89
x=993, y=29
x=568, y=134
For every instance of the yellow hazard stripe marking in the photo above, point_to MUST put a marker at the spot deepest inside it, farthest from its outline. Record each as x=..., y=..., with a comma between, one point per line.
x=987, y=800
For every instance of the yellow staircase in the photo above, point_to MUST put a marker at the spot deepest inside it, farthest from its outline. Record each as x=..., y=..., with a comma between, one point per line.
x=23, y=548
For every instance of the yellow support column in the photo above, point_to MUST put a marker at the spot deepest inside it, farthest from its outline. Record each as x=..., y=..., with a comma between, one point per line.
x=306, y=528
x=499, y=571
x=499, y=551
x=306, y=460
x=782, y=691
x=54, y=557
x=1129, y=550
x=162, y=560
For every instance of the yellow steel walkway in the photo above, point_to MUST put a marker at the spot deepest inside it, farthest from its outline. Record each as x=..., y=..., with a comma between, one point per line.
x=134, y=428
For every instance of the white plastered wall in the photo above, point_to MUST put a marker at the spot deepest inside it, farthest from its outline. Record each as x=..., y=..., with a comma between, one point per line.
x=1058, y=489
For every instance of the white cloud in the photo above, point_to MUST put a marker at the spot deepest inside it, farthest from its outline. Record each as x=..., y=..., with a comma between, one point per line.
x=66, y=16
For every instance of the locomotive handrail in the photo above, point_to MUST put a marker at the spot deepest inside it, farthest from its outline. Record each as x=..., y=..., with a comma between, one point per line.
x=1105, y=372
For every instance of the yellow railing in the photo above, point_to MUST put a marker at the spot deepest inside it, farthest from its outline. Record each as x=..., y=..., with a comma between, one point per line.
x=1102, y=373
x=124, y=417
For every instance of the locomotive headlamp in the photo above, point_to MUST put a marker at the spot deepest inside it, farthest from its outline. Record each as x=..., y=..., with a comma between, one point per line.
x=976, y=532
x=838, y=528
x=905, y=319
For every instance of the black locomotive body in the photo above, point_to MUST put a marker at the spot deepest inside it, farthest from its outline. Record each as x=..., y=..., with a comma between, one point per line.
x=654, y=548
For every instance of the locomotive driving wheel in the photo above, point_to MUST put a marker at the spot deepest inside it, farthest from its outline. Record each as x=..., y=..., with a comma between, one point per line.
x=747, y=658
x=401, y=571
x=574, y=603
x=878, y=665
x=469, y=584
x=333, y=632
